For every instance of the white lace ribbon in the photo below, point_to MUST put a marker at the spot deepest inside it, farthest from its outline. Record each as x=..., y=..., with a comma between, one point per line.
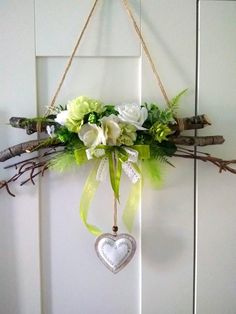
x=132, y=154
x=94, y=152
x=131, y=172
x=102, y=169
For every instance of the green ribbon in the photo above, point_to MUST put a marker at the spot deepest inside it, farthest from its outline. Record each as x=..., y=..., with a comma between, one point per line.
x=80, y=156
x=143, y=151
x=90, y=188
x=132, y=205
x=115, y=169
x=116, y=156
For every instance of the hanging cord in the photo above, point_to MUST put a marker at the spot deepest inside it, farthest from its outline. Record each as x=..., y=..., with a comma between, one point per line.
x=52, y=104
x=145, y=48
x=115, y=227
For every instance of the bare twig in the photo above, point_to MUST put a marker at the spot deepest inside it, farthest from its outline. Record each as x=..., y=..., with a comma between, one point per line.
x=223, y=165
x=30, y=167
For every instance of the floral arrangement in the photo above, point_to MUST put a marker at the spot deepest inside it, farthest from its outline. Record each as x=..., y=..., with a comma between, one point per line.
x=119, y=138
x=119, y=135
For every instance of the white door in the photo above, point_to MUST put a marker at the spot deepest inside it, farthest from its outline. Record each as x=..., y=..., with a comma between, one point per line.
x=185, y=262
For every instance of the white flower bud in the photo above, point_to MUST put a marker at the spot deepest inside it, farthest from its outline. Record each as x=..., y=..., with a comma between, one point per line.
x=111, y=129
x=91, y=135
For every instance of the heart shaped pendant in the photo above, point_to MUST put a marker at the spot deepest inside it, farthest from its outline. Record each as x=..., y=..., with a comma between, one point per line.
x=115, y=251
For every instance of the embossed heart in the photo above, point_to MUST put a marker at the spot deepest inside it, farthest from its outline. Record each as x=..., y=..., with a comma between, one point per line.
x=115, y=251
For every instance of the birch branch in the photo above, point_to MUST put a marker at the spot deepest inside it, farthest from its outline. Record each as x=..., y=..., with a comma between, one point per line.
x=197, y=140
x=27, y=147
x=192, y=123
x=32, y=125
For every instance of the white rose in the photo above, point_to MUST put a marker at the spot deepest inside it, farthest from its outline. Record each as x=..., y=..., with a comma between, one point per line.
x=91, y=135
x=133, y=114
x=62, y=117
x=111, y=129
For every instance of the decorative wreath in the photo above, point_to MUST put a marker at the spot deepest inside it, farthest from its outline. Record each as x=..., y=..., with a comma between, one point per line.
x=131, y=138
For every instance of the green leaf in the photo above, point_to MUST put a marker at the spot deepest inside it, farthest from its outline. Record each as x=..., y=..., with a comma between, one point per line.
x=174, y=103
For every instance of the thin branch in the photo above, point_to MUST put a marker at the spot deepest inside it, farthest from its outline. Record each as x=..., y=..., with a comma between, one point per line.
x=223, y=165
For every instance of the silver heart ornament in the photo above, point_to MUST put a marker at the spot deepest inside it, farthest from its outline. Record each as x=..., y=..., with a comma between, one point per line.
x=115, y=251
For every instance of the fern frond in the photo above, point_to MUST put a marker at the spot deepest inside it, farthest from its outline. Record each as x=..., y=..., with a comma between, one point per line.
x=162, y=151
x=174, y=103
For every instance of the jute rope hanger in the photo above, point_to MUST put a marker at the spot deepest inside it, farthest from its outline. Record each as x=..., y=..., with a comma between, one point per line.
x=148, y=55
x=78, y=41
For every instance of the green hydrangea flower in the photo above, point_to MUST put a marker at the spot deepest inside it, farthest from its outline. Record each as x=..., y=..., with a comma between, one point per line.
x=78, y=108
x=128, y=134
x=160, y=131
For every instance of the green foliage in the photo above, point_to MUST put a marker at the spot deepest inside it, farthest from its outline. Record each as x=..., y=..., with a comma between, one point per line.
x=164, y=116
x=160, y=132
x=159, y=120
x=174, y=103
x=143, y=138
x=64, y=135
x=162, y=151
x=91, y=117
x=70, y=139
x=62, y=162
x=158, y=115
x=108, y=110
x=59, y=108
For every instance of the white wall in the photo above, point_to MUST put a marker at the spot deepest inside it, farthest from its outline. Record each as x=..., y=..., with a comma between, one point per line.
x=186, y=255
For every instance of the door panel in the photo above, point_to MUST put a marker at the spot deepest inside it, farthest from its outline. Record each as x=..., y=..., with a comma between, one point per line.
x=19, y=216
x=216, y=254
x=108, y=34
